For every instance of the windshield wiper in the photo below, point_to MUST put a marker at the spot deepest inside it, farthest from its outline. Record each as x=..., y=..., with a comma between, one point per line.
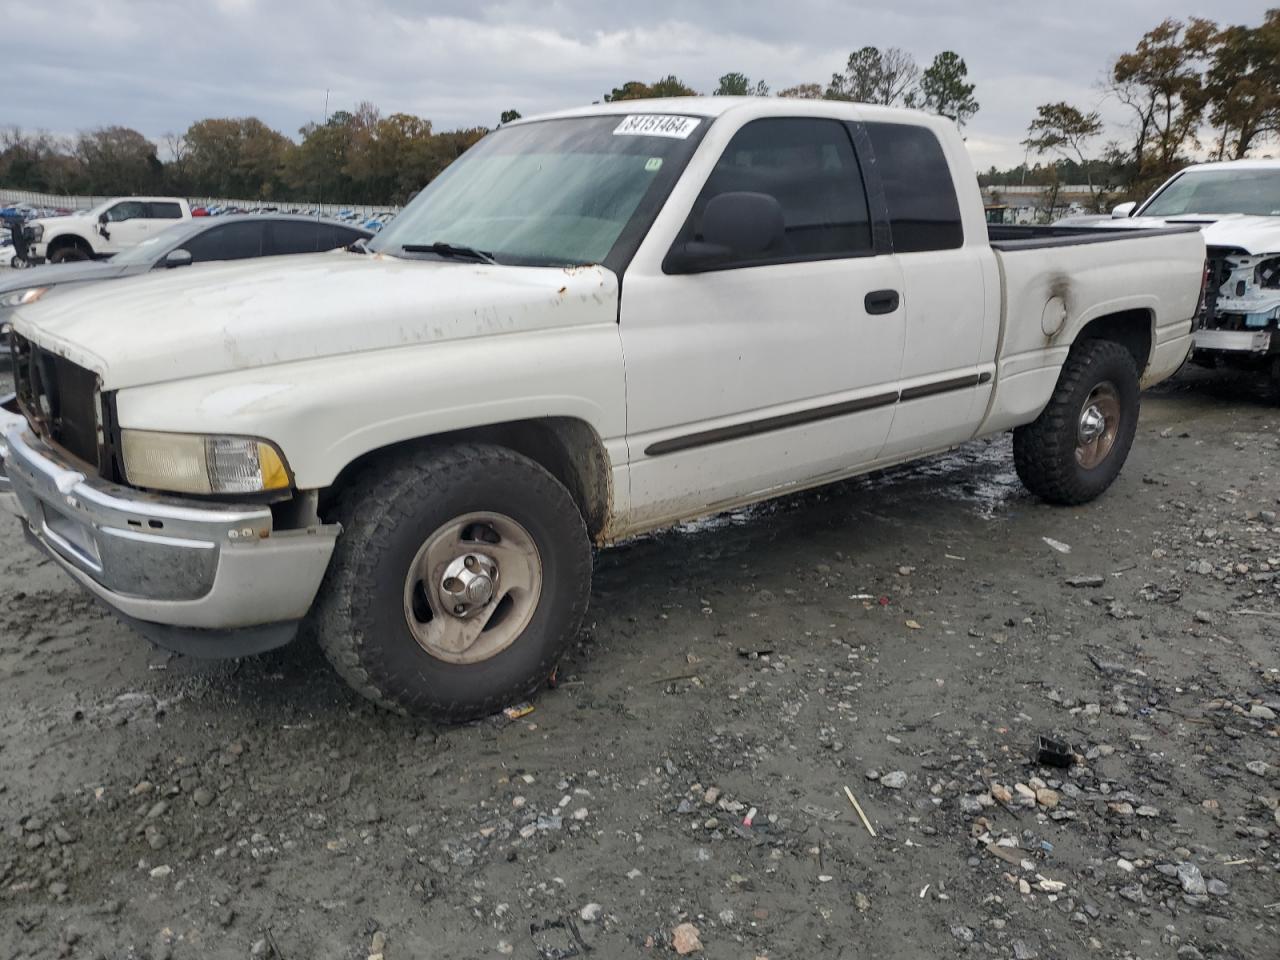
x=453, y=250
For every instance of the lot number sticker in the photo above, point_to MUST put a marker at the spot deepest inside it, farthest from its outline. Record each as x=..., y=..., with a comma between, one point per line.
x=656, y=125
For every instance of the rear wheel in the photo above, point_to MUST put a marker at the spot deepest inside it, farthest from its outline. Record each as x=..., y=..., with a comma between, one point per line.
x=460, y=578
x=1074, y=450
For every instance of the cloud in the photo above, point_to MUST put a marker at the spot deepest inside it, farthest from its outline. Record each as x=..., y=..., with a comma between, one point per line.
x=158, y=66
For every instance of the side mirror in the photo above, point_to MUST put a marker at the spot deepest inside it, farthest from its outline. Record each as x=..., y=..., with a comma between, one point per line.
x=1123, y=210
x=177, y=258
x=738, y=224
x=102, y=218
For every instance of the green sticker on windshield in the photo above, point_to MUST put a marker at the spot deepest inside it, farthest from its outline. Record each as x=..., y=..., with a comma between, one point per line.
x=653, y=164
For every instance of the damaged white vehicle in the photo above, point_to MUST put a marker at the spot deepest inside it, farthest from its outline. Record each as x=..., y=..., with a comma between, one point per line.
x=1238, y=203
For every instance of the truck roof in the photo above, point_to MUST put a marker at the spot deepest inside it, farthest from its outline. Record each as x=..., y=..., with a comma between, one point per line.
x=147, y=199
x=715, y=106
x=1235, y=165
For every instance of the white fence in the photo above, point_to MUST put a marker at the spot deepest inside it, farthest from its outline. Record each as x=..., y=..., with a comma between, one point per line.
x=360, y=210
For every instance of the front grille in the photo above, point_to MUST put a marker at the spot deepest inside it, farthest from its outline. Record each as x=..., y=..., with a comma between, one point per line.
x=60, y=399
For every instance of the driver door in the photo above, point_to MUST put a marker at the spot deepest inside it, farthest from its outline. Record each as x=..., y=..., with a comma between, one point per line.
x=776, y=370
x=125, y=227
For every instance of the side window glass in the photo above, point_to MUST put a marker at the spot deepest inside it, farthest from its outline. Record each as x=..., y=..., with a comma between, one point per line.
x=923, y=211
x=126, y=210
x=340, y=237
x=295, y=236
x=232, y=241
x=809, y=167
x=159, y=210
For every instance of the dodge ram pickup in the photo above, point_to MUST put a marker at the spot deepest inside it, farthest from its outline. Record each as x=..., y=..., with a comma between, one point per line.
x=593, y=324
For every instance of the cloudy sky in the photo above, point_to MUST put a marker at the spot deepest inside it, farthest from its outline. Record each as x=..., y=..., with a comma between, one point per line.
x=157, y=66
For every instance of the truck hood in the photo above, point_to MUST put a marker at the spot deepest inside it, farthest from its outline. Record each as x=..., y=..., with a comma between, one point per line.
x=213, y=319
x=1253, y=235
x=77, y=220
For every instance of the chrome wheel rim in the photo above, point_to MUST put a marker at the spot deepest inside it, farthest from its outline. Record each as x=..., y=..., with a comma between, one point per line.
x=1098, y=425
x=472, y=587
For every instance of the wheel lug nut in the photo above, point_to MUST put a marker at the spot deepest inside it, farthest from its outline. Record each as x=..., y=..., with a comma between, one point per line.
x=459, y=608
x=470, y=563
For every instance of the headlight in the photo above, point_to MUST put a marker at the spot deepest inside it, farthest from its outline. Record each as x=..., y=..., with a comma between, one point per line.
x=22, y=298
x=35, y=233
x=190, y=463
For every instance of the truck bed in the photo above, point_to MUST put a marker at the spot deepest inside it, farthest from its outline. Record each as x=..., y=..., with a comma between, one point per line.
x=1033, y=237
x=1055, y=281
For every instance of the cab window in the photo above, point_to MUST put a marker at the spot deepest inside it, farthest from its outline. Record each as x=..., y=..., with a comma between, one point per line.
x=126, y=210
x=924, y=213
x=808, y=165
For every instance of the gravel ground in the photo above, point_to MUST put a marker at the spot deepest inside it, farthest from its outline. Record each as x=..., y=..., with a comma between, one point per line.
x=907, y=636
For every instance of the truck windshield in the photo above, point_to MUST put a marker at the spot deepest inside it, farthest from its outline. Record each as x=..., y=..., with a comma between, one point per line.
x=551, y=192
x=1255, y=192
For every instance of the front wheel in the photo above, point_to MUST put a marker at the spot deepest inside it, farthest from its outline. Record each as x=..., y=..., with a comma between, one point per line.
x=459, y=580
x=69, y=254
x=1073, y=451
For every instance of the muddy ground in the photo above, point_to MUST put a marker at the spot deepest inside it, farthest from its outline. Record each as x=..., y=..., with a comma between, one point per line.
x=906, y=636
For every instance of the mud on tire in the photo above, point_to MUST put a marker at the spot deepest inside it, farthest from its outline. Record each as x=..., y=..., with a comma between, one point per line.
x=1060, y=456
x=367, y=616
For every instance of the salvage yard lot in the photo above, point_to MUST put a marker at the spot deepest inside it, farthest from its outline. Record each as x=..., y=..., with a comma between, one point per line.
x=917, y=622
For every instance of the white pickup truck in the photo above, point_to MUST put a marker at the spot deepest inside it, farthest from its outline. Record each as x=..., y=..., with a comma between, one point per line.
x=1237, y=204
x=593, y=324
x=105, y=230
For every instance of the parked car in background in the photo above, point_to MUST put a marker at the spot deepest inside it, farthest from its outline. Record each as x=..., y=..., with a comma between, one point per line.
x=598, y=323
x=240, y=237
x=107, y=229
x=1237, y=204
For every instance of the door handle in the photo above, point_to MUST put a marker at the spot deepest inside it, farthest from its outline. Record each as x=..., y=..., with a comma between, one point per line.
x=881, y=301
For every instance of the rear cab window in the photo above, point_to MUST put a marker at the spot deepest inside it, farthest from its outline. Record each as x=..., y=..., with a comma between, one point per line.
x=163, y=210
x=924, y=213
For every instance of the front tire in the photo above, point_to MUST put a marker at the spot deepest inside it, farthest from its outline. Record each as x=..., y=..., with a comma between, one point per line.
x=1074, y=450
x=459, y=580
x=72, y=253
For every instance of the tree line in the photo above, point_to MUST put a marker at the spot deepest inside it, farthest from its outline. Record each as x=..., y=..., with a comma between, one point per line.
x=364, y=157
x=1188, y=86
x=352, y=157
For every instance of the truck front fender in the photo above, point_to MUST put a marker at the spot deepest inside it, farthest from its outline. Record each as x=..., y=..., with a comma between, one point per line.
x=326, y=414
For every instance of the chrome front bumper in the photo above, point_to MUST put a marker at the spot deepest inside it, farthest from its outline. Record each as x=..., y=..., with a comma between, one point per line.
x=200, y=577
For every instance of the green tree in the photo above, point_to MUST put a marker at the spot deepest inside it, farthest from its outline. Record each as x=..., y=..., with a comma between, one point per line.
x=318, y=168
x=945, y=90
x=117, y=160
x=1242, y=85
x=740, y=85
x=672, y=86
x=1061, y=128
x=509, y=115
x=1161, y=82
x=631, y=90
x=668, y=86
x=235, y=157
x=802, y=91
x=38, y=161
x=872, y=75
